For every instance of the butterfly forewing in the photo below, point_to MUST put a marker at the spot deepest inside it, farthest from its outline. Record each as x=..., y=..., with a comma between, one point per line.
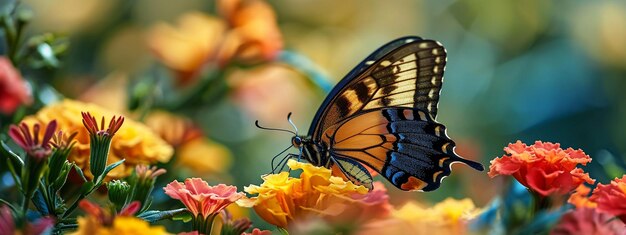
x=408, y=75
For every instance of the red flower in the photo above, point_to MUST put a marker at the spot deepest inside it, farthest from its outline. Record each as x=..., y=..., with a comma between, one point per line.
x=588, y=221
x=200, y=198
x=30, y=142
x=611, y=198
x=257, y=231
x=13, y=90
x=544, y=168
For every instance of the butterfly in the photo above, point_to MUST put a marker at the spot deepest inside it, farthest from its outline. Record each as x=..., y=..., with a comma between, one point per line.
x=382, y=115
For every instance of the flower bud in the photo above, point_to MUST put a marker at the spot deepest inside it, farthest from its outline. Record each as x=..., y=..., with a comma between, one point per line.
x=118, y=192
x=100, y=141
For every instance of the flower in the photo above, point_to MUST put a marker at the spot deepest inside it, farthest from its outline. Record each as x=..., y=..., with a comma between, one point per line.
x=35, y=149
x=580, y=197
x=282, y=200
x=203, y=201
x=450, y=216
x=143, y=183
x=133, y=141
x=204, y=157
x=200, y=198
x=544, y=168
x=187, y=47
x=174, y=129
x=247, y=32
x=588, y=221
x=254, y=33
x=610, y=198
x=100, y=141
x=100, y=221
x=7, y=224
x=257, y=231
x=13, y=90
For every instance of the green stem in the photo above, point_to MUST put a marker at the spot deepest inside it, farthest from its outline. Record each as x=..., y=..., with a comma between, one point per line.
x=25, y=205
x=203, y=225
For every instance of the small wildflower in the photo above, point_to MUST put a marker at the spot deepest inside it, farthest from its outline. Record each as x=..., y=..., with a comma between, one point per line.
x=610, y=198
x=134, y=141
x=37, y=153
x=234, y=226
x=100, y=141
x=59, y=167
x=544, y=168
x=143, y=183
x=203, y=201
x=7, y=224
x=257, y=231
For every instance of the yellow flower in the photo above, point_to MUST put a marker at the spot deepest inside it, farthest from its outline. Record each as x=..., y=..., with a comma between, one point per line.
x=447, y=217
x=134, y=141
x=282, y=200
x=122, y=225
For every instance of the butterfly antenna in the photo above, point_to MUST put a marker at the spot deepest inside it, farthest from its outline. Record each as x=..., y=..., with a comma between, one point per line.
x=291, y=122
x=256, y=123
x=274, y=158
x=279, y=167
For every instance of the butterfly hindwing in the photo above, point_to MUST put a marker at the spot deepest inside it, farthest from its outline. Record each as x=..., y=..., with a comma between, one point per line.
x=406, y=72
x=354, y=171
x=405, y=145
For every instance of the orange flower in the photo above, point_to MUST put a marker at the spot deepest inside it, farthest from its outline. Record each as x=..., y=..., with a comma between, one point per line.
x=247, y=32
x=544, y=168
x=134, y=141
x=282, y=200
x=13, y=90
x=200, y=198
x=254, y=34
x=580, y=197
x=611, y=198
x=588, y=221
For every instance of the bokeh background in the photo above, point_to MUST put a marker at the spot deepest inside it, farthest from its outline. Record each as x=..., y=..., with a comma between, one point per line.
x=531, y=70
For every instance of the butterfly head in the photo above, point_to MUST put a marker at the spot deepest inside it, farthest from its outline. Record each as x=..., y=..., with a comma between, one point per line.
x=297, y=141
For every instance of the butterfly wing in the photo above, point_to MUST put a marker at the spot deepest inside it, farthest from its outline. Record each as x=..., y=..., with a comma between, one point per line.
x=365, y=119
x=404, y=145
x=406, y=72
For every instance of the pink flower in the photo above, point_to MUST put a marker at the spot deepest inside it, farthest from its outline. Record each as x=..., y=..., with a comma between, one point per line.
x=13, y=90
x=588, y=221
x=200, y=198
x=257, y=231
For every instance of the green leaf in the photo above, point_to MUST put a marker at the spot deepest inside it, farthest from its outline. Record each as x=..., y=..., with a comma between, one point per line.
x=14, y=157
x=80, y=172
x=154, y=215
x=282, y=231
x=40, y=203
x=86, y=188
x=46, y=52
x=108, y=169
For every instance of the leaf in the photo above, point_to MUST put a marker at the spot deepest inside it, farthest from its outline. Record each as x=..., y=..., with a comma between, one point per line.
x=46, y=52
x=14, y=157
x=108, y=169
x=40, y=203
x=154, y=215
x=86, y=188
x=282, y=231
x=80, y=172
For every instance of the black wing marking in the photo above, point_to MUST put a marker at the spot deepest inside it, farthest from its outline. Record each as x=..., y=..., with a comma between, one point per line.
x=404, y=145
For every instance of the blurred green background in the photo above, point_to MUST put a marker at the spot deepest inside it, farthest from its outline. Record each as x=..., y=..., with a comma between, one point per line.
x=517, y=70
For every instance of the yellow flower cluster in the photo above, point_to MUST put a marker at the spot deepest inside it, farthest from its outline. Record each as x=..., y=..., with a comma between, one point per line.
x=447, y=217
x=123, y=225
x=282, y=200
x=134, y=141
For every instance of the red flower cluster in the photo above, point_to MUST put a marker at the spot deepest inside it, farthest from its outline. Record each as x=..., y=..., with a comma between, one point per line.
x=611, y=198
x=544, y=168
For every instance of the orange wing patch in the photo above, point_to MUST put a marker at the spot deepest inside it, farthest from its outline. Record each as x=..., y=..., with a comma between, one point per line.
x=413, y=184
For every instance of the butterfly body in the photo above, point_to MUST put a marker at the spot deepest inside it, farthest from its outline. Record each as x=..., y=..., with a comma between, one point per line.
x=382, y=115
